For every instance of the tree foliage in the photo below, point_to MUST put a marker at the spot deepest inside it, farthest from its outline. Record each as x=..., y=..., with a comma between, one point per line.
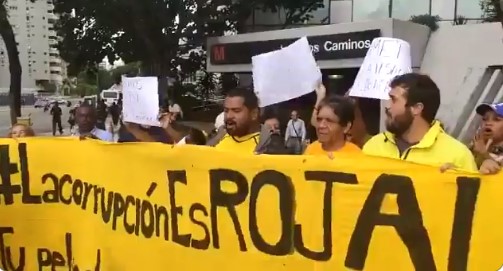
x=426, y=19
x=492, y=10
x=460, y=20
x=92, y=81
x=166, y=36
x=130, y=69
x=296, y=11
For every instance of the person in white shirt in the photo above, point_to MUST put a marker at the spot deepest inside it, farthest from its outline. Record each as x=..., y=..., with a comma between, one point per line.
x=85, y=117
x=118, y=84
x=175, y=109
x=295, y=133
x=220, y=121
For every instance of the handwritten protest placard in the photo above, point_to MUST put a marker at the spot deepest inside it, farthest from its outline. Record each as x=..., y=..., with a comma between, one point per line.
x=285, y=74
x=140, y=100
x=150, y=206
x=386, y=58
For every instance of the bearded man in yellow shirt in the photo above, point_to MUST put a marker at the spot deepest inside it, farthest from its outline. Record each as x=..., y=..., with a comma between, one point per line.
x=413, y=133
x=242, y=129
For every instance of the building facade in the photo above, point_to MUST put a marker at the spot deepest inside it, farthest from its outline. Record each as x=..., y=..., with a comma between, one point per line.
x=345, y=11
x=466, y=61
x=33, y=24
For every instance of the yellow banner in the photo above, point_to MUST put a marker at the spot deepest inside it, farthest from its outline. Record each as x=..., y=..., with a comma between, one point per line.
x=70, y=205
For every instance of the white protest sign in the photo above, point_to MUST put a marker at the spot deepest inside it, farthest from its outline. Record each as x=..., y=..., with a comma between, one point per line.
x=385, y=59
x=140, y=100
x=285, y=74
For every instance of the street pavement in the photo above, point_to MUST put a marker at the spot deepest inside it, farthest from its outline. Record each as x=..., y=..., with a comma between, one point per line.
x=41, y=120
x=42, y=124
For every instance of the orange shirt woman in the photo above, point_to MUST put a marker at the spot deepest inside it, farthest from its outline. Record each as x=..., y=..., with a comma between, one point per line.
x=334, y=120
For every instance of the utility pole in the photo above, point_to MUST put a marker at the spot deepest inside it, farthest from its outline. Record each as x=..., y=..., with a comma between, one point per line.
x=390, y=9
x=455, y=10
x=501, y=13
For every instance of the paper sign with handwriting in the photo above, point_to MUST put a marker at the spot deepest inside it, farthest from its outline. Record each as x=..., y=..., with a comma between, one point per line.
x=285, y=74
x=386, y=59
x=140, y=100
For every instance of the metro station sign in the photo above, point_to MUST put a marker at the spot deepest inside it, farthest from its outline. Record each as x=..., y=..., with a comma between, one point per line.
x=326, y=47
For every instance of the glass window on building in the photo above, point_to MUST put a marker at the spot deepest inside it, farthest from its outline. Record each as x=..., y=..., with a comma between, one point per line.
x=404, y=9
x=364, y=10
x=469, y=9
x=443, y=8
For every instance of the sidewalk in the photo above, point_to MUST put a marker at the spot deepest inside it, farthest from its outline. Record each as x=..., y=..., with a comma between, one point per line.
x=6, y=108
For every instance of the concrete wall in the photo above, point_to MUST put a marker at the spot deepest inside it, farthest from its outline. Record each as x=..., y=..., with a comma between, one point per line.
x=416, y=35
x=465, y=61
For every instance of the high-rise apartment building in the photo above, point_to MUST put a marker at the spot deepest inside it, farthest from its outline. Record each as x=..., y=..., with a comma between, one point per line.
x=33, y=24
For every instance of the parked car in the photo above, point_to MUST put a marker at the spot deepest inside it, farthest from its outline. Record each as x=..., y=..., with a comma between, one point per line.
x=41, y=103
x=60, y=102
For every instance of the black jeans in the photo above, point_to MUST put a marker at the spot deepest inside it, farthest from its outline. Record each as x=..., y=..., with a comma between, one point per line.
x=60, y=127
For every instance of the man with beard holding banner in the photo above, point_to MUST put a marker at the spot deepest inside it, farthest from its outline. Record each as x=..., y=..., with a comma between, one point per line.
x=413, y=133
x=242, y=131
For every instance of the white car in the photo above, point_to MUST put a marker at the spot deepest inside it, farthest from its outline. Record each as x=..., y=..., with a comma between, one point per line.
x=41, y=103
x=60, y=102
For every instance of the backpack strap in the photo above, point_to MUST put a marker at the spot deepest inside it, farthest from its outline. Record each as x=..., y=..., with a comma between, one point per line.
x=265, y=138
x=212, y=142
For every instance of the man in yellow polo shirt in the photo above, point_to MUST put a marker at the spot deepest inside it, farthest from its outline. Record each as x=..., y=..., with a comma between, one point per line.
x=241, y=132
x=413, y=133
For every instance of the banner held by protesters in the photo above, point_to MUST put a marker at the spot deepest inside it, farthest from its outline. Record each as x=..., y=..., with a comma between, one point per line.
x=158, y=206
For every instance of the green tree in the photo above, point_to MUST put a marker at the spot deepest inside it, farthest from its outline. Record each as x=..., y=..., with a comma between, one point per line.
x=7, y=34
x=460, y=20
x=69, y=84
x=83, y=89
x=296, y=11
x=99, y=79
x=426, y=19
x=493, y=11
x=167, y=36
x=130, y=69
x=48, y=86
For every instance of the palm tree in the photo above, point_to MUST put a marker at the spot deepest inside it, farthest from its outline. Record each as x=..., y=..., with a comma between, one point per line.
x=7, y=34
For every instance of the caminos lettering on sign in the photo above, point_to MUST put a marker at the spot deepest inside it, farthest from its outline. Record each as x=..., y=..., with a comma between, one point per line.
x=346, y=45
x=326, y=47
x=303, y=213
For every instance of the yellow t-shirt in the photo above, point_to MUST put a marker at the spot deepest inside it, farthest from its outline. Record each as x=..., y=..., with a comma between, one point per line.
x=316, y=149
x=245, y=144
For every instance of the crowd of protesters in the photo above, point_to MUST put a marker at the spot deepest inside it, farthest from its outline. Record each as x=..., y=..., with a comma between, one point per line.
x=413, y=132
